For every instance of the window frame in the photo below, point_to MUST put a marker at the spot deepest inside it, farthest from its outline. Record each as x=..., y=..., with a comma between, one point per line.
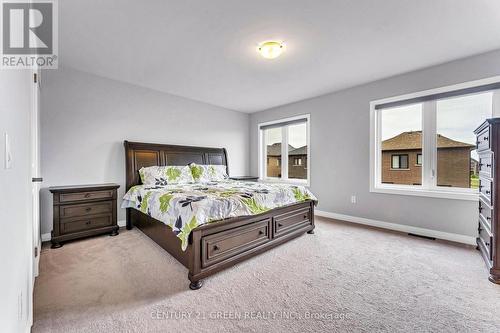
x=284, y=151
x=429, y=186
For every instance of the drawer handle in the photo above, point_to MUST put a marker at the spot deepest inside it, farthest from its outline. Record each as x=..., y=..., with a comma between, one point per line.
x=216, y=247
x=487, y=244
x=87, y=195
x=480, y=209
x=88, y=222
x=88, y=209
x=261, y=232
x=488, y=165
x=280, y=225
x=485, y=138
x=487, y=192
x=488, y=218
x=305, y=216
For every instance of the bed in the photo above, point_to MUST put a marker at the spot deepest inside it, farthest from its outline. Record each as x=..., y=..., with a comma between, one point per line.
x=214, y=246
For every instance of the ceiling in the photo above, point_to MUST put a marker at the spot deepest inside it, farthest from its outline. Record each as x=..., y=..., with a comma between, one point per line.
x=206, y=49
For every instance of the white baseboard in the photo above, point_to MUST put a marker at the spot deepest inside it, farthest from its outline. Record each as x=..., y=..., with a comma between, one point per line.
x=46, y=237
x=400, y=227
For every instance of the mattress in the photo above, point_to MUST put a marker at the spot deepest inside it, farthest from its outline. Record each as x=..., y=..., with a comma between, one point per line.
x=184, y=207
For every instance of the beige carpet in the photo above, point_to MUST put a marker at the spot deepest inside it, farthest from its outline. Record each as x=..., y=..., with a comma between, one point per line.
x=343, y=278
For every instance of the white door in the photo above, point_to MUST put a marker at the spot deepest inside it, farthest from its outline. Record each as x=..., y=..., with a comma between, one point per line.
x=35, y=181
x=35, y=169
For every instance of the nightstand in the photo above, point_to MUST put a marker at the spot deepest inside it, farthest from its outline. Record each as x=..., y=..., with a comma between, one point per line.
x=245, y=178
x=82, y=211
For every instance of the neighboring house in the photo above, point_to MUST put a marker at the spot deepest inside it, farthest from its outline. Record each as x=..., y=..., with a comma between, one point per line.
x=474, y=167
x=402, y=160
x=297, y=161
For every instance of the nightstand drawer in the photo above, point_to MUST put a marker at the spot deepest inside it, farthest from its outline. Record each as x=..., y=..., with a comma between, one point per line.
x=82, y=224
x=86, y=209
x=81, y=196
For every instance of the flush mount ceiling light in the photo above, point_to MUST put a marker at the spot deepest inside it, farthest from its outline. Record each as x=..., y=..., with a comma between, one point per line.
x=271, y=49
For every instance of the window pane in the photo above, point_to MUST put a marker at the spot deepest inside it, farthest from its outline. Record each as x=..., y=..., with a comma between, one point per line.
x=402, y=137
x=272, y=137
x=419, y=159
x=457, y=118
x=395, y=161
x=297, y=151
x=403, y=162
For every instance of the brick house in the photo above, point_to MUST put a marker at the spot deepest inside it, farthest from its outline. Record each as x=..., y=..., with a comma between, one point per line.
x=402, y=160
x=297, y=161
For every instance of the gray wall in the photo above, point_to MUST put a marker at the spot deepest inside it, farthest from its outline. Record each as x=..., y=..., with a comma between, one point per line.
x=85, y=119
x=340, y=126
x=15, y=198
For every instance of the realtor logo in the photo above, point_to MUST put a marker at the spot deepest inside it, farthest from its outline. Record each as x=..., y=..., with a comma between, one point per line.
x=29, y=34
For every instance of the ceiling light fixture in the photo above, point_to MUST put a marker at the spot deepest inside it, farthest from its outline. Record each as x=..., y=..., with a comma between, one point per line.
x=271, y=49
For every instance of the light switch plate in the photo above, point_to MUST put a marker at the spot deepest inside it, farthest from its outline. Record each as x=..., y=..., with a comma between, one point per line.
x=8, y=152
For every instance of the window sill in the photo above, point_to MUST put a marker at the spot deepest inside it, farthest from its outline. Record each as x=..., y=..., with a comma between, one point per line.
x=469, y=195
x=288, y=181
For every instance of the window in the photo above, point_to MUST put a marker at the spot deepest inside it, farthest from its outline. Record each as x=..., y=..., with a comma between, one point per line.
x=297, y=161
x=401, y=139
x=287, y=138
x=424, y=143
x=457, y=118
x=419, y=160
x=399, y=162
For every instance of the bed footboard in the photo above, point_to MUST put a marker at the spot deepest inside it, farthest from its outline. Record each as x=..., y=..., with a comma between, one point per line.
x=221, y=245
x=215, y=246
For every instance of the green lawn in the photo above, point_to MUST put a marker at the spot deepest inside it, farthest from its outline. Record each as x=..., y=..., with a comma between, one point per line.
x=474, y=181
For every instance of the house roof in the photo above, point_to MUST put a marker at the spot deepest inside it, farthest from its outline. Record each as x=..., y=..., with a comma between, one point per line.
x=275, y=150
x=299, y=151
x=413, y=140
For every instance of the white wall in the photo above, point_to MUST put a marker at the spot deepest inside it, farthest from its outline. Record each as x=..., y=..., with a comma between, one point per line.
x=15, y=204
x=340, y=127
x=86, y=118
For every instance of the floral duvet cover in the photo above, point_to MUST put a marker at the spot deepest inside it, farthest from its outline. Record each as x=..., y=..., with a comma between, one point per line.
x=184, y=207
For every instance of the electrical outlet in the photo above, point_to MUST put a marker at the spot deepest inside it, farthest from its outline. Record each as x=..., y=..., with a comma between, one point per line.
x=353, y=199
x=8, y=152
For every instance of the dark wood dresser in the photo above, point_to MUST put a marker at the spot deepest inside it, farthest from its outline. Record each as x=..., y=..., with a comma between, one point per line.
x=84, y=210
x=488, y=240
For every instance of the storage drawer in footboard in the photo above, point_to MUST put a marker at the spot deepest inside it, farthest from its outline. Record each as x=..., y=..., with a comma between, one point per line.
x=229, y=243
x=291, y=221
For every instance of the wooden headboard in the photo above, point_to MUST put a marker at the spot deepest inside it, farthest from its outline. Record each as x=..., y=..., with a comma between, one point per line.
x=140, y=154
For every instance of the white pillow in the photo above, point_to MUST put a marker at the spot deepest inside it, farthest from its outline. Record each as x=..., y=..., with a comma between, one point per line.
x=163, y=175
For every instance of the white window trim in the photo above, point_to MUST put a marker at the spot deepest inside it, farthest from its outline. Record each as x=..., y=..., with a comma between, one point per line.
x=284, y=161
x=428, y=188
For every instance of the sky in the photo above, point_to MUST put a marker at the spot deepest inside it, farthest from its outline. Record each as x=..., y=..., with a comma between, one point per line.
x=457, y=118
x=296, y=135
